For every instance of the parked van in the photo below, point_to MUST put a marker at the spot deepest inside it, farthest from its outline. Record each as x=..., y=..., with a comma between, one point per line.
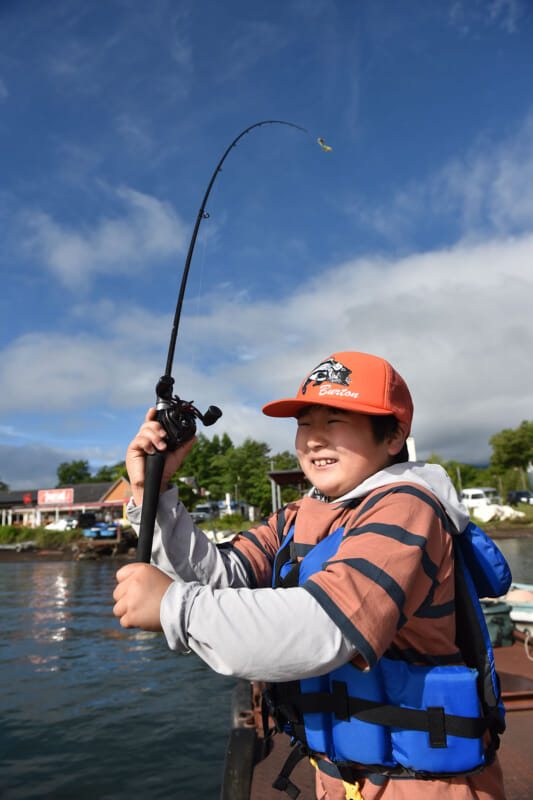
x=209, y=510
x=480, y=496
x=520, y=496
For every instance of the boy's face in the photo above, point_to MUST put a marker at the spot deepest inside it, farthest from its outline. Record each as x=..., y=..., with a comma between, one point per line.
x=337, y=450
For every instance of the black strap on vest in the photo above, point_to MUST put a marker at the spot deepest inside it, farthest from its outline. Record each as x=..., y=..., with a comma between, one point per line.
x=282, y=782
x=471, y=642
x=432, y=720
x=285, y=553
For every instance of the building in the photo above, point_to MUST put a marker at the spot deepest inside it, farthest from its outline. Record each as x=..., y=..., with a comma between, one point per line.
x=35, y=507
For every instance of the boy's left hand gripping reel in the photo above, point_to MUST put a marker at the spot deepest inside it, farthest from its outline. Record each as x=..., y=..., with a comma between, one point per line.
x=178, y=418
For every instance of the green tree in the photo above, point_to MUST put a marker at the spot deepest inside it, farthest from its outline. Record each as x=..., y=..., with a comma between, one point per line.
x=246, y=468
x=512, y=447
x=204, y=466
x=285, y=460
x=111, y=473
x=464, y=476
x=3, y=486
x=69, y=472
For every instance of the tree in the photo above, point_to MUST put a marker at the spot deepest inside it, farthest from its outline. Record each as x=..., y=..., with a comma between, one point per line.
x=205, y=463
x=111, y=473
x=512, y=448
x=219, y=468
x=3, y=486
x=246, y=468
x=69, y=472
x=463, y=475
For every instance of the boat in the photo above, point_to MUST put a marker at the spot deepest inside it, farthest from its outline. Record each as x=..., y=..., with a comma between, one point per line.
x=253, y=763
x=520, y=599
x=102, y=530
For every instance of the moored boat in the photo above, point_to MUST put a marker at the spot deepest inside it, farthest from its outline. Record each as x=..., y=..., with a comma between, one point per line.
x=102, y=530
x=520, y=599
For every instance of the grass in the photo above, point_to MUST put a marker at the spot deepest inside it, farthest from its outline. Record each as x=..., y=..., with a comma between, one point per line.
x=229, y=522
x=45, y=540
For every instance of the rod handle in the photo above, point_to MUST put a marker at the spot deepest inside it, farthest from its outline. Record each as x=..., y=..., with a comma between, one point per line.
x=152, y=484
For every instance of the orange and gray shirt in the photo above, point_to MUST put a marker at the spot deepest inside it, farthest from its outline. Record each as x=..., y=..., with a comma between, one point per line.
x=389, y=586
x=391, y=582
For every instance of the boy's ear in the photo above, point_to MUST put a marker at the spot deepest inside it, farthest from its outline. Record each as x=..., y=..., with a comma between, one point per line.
x=397, y=440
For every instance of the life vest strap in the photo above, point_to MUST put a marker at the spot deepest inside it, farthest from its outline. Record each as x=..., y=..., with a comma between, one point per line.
x=282, y=782
x=433, y=720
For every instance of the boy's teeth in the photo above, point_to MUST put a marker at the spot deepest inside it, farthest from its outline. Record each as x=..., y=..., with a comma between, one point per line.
x=321, y=462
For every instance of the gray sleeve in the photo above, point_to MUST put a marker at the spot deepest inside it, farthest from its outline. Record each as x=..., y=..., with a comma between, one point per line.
x=183, y=551
x=256, y=634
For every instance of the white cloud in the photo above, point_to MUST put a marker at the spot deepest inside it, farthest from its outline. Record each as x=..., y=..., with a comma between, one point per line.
x=489, y=189
x=467, y=16
x=253, y=41
x=456, y=323
x=149, y=230
x=134, y=132
x=34, y=466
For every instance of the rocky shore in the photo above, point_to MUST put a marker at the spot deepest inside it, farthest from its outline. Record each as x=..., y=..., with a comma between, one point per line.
x=70, y=553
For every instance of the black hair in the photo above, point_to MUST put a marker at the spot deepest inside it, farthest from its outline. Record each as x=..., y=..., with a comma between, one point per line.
x=383, y=427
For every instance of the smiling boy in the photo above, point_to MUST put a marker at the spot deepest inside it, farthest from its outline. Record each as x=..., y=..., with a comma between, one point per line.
x=337, y=449
x=353, y=583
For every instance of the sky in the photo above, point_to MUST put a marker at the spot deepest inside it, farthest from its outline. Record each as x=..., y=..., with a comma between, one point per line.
x=412, y=238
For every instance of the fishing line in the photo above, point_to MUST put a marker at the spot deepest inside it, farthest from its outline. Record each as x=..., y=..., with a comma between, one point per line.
x=178, y=417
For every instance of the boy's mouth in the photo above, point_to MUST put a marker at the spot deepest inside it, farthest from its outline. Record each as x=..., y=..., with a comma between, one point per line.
x=324, y=462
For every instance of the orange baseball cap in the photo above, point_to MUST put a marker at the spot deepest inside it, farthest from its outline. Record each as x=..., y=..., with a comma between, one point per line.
x=352, y=381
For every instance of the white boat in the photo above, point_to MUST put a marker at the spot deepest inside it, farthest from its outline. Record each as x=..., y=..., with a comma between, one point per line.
x=520, y=598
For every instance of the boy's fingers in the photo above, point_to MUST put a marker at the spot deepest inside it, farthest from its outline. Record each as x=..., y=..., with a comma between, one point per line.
x=125, y=571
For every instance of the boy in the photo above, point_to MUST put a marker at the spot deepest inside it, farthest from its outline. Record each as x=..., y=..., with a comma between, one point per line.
x=364, y=581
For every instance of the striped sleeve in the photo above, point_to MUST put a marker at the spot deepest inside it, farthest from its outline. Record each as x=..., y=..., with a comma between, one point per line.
x=257, y=547
x=390, y=584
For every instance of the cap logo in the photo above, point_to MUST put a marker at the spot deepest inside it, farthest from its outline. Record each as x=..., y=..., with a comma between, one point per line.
x=330, y=371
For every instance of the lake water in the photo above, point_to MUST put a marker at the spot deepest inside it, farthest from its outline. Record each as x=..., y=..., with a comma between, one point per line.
x=93, y=712
x=89, y=710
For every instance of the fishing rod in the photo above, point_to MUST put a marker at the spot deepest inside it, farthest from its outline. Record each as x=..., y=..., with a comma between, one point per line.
x=178, y=417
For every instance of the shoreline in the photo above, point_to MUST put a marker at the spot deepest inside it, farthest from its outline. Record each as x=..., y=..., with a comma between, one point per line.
x=92, y=553
x=64, y=554
x=509, y=532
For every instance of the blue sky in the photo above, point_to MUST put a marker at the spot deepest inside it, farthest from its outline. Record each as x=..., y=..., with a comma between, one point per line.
x=411, y=239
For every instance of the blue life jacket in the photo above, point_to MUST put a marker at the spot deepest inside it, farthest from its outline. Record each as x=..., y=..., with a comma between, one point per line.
x=400, y=718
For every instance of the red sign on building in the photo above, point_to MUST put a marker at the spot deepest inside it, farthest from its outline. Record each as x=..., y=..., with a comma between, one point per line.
x=55, y=496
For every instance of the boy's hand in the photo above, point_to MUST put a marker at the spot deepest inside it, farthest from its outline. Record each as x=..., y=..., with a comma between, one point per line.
x=138, y=594
x=151, y=438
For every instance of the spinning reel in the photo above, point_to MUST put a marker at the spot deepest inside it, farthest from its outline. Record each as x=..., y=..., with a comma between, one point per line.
x=178, y=417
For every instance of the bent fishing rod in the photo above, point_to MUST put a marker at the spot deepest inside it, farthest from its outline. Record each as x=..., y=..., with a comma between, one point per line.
x=178, y=417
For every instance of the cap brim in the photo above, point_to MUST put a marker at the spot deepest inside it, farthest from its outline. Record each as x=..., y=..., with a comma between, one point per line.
x=292, y=407
x=285, y=408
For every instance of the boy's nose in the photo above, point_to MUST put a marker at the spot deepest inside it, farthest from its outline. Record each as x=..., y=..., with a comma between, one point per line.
x=316, y=436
